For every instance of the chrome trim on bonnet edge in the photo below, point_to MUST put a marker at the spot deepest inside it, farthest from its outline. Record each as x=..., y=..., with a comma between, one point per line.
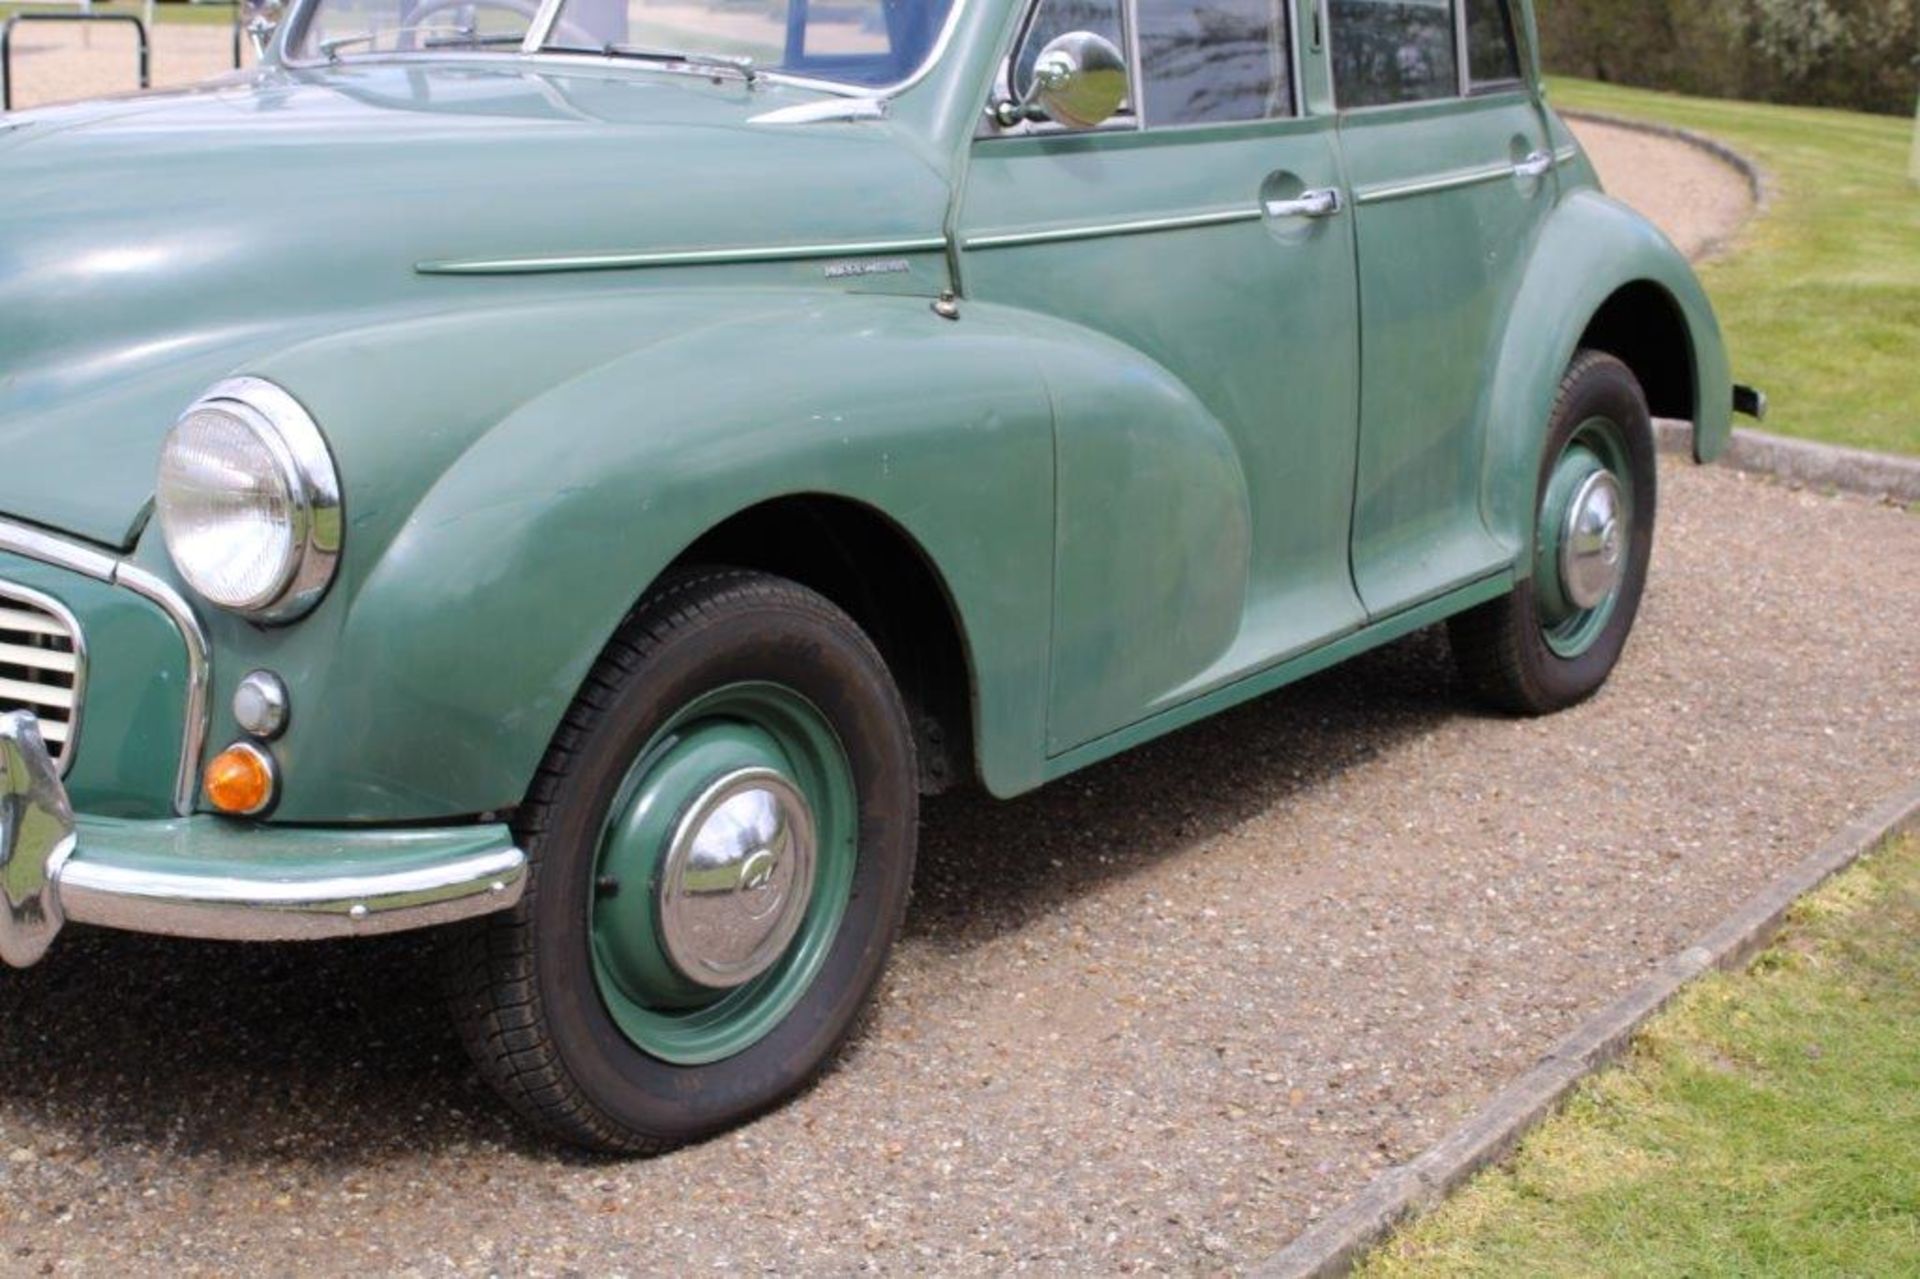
x=1097, y=230
x=236, y=909
x=1437, y=182
x=677, y=257
x=61, y=553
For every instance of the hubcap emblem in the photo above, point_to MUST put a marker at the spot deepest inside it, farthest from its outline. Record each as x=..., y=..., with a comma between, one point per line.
x=1593, y=542
x=736, y=878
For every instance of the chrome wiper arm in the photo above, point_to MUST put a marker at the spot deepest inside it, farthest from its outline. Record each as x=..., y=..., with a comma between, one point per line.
x=450, y=37
x=462, y=39
x=712, y=61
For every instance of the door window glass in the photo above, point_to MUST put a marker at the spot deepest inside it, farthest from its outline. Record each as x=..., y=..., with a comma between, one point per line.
x=1206, y=61
x=1492, y=60
x=1388, y=51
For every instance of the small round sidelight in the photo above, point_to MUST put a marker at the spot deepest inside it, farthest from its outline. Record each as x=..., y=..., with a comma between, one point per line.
x=261, y=704
x=241, y=780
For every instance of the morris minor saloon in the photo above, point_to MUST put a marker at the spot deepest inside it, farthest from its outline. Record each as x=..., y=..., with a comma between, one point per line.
x=574, y=473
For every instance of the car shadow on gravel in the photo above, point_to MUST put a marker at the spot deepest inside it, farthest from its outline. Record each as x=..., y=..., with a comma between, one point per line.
x=988, y=866
x=339, y=1053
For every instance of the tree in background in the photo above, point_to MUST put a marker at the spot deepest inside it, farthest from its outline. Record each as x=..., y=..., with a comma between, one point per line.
x=1860, y=54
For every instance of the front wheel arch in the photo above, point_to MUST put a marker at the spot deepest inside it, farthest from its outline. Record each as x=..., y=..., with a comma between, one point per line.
x=868, y=565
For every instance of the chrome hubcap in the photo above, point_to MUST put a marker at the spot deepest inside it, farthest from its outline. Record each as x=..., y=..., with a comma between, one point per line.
x=1593, y=543
x=736, y=879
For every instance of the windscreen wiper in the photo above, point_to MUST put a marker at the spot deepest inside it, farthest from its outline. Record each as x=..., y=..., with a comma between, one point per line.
x=711, y=61
x=447, y=38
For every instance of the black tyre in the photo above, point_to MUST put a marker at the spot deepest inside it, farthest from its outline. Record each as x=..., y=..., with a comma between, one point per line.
x=1554, y=640
x=721, y=841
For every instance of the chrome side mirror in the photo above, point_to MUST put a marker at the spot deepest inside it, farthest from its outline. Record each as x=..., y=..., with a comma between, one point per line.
x=1079, y=80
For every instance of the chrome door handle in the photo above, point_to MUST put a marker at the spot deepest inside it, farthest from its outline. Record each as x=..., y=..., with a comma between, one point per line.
x=1323, y=203
x=1534, y=166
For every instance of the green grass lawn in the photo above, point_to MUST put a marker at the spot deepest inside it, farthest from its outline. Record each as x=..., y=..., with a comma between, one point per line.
x=1767, y=1124
x=1821, y=296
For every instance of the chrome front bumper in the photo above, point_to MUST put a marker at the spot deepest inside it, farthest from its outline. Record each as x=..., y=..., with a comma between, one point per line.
x=206, y=877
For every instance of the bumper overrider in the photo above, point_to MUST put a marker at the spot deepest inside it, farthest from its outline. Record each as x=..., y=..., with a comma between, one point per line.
x=205, y=876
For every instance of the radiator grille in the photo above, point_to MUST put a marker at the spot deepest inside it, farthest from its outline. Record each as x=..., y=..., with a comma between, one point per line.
x=42, y=665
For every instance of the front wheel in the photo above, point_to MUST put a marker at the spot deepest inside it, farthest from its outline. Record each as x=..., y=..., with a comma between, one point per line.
x=1556, y=637
x=721, y=843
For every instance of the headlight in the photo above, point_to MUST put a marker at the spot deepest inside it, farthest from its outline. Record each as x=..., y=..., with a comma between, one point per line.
x=249, y=502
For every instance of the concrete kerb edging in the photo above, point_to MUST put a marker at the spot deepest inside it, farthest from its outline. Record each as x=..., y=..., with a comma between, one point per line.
x=1819, y=466
x=1336, y=1242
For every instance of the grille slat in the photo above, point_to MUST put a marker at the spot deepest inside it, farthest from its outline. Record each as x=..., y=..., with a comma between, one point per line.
x=40, y=659
x=42, y=665
x=36, y=695
x=19, y=619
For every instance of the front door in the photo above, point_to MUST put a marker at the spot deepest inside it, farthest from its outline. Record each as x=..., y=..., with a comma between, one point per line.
x=1447, y=153
x=1205, y=426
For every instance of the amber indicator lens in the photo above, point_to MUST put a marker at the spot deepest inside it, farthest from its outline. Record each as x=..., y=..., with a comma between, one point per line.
x=239, y=780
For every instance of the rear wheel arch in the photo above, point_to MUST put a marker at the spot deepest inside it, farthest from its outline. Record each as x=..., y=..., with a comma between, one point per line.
x=1641, y=325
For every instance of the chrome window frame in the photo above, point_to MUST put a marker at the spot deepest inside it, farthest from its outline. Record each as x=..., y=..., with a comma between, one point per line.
x=61, y=613
x=1469, y=87
x=530, y=53
x=34, y=544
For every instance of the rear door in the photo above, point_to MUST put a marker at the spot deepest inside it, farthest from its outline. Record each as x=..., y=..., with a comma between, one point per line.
x=1448, y=158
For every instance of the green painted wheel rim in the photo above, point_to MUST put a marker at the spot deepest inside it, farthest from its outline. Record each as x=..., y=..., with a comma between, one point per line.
x=1597, y=445
x=761, y=728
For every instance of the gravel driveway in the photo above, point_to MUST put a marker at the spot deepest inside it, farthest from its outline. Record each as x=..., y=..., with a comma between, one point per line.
x=1698, y=200
x=1157, y=1015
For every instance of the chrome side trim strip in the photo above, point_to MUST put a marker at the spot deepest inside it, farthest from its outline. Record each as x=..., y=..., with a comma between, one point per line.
x=290, y=909
x=1566, y=155
x=61, y=553
x=677, y=257
x=1437, y=182
x=1098, y=230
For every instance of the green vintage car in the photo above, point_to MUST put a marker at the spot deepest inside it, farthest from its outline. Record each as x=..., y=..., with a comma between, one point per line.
x=576, y=473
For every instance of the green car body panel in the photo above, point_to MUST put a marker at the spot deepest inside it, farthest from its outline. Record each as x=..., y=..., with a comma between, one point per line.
x=560, y=321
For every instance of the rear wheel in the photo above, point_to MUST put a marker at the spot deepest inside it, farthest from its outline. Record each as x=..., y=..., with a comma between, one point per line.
x=721, y=843
x=1556, y=637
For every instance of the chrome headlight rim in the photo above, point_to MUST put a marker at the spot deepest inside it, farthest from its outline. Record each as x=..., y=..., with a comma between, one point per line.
x=299, y=450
